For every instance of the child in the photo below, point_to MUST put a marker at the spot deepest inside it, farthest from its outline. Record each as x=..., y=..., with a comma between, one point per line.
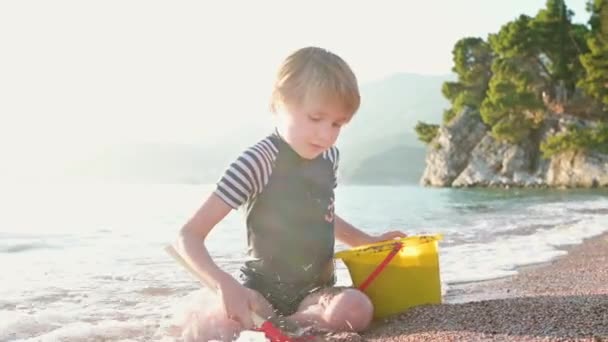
x=286, y=185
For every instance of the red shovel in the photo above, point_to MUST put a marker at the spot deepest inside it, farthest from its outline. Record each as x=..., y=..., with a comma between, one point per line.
x=273, y=333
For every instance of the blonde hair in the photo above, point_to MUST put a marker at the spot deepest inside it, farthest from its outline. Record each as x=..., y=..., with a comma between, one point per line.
x=315, y=73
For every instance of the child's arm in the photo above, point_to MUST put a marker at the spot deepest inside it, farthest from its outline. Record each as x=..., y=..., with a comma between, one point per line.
x=190, y=242
x=354, y=237
x=190, y=245
x=348, y=234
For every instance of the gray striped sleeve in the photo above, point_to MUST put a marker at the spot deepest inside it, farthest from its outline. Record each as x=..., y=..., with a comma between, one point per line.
x=247, y=175
x=333, y=155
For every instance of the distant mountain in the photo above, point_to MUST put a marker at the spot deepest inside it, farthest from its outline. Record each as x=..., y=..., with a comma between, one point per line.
x=378, y=146
x=392, y=106
x=398, y=164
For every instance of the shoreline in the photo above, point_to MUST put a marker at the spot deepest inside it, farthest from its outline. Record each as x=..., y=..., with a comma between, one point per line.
x=563, y=299
x=484, y=287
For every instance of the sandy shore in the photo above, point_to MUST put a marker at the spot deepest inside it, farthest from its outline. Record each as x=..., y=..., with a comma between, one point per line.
x=564, y=300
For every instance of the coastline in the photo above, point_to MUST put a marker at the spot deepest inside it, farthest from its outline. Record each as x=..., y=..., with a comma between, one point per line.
x=564, y=299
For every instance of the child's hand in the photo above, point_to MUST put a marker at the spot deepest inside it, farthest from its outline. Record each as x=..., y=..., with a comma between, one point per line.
x=394, y=234
x=237, y=301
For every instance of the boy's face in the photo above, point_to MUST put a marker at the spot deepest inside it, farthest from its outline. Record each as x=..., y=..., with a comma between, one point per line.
x=313, y=127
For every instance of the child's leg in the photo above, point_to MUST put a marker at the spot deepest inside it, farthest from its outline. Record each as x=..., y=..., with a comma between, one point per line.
x=335, y=309
x=206, y=320
x=210, y=325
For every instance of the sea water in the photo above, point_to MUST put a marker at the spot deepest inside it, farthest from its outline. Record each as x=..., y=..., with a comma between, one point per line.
x=85, y=262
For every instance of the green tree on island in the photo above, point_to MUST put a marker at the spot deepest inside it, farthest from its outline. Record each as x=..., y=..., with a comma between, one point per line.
x=520, y=75
x=472, y=61
x=562, y=42
x=426, y=132
x=532, y=67
x=595, y=81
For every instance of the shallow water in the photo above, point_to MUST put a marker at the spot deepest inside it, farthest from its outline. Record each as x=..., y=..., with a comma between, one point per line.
x=86, y=262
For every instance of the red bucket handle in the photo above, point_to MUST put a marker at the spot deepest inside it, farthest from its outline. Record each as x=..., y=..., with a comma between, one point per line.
x=396, y=248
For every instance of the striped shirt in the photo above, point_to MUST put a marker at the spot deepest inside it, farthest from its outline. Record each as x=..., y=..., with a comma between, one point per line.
x=247, y=176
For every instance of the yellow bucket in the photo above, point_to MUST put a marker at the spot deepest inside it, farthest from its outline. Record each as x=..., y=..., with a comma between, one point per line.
x=410, y=279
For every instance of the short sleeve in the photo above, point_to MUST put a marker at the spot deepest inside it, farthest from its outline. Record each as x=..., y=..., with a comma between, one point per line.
x=247, y=175
x=333, y=155
x=336, y=163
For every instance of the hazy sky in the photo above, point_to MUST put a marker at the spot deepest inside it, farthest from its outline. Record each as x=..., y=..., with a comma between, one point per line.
x=79, y=72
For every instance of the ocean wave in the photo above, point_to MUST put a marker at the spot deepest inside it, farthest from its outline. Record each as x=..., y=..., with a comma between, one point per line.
x=24, y=247
x=505, y=253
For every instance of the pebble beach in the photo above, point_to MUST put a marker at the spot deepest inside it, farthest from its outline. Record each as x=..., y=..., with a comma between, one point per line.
x=562, y=300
